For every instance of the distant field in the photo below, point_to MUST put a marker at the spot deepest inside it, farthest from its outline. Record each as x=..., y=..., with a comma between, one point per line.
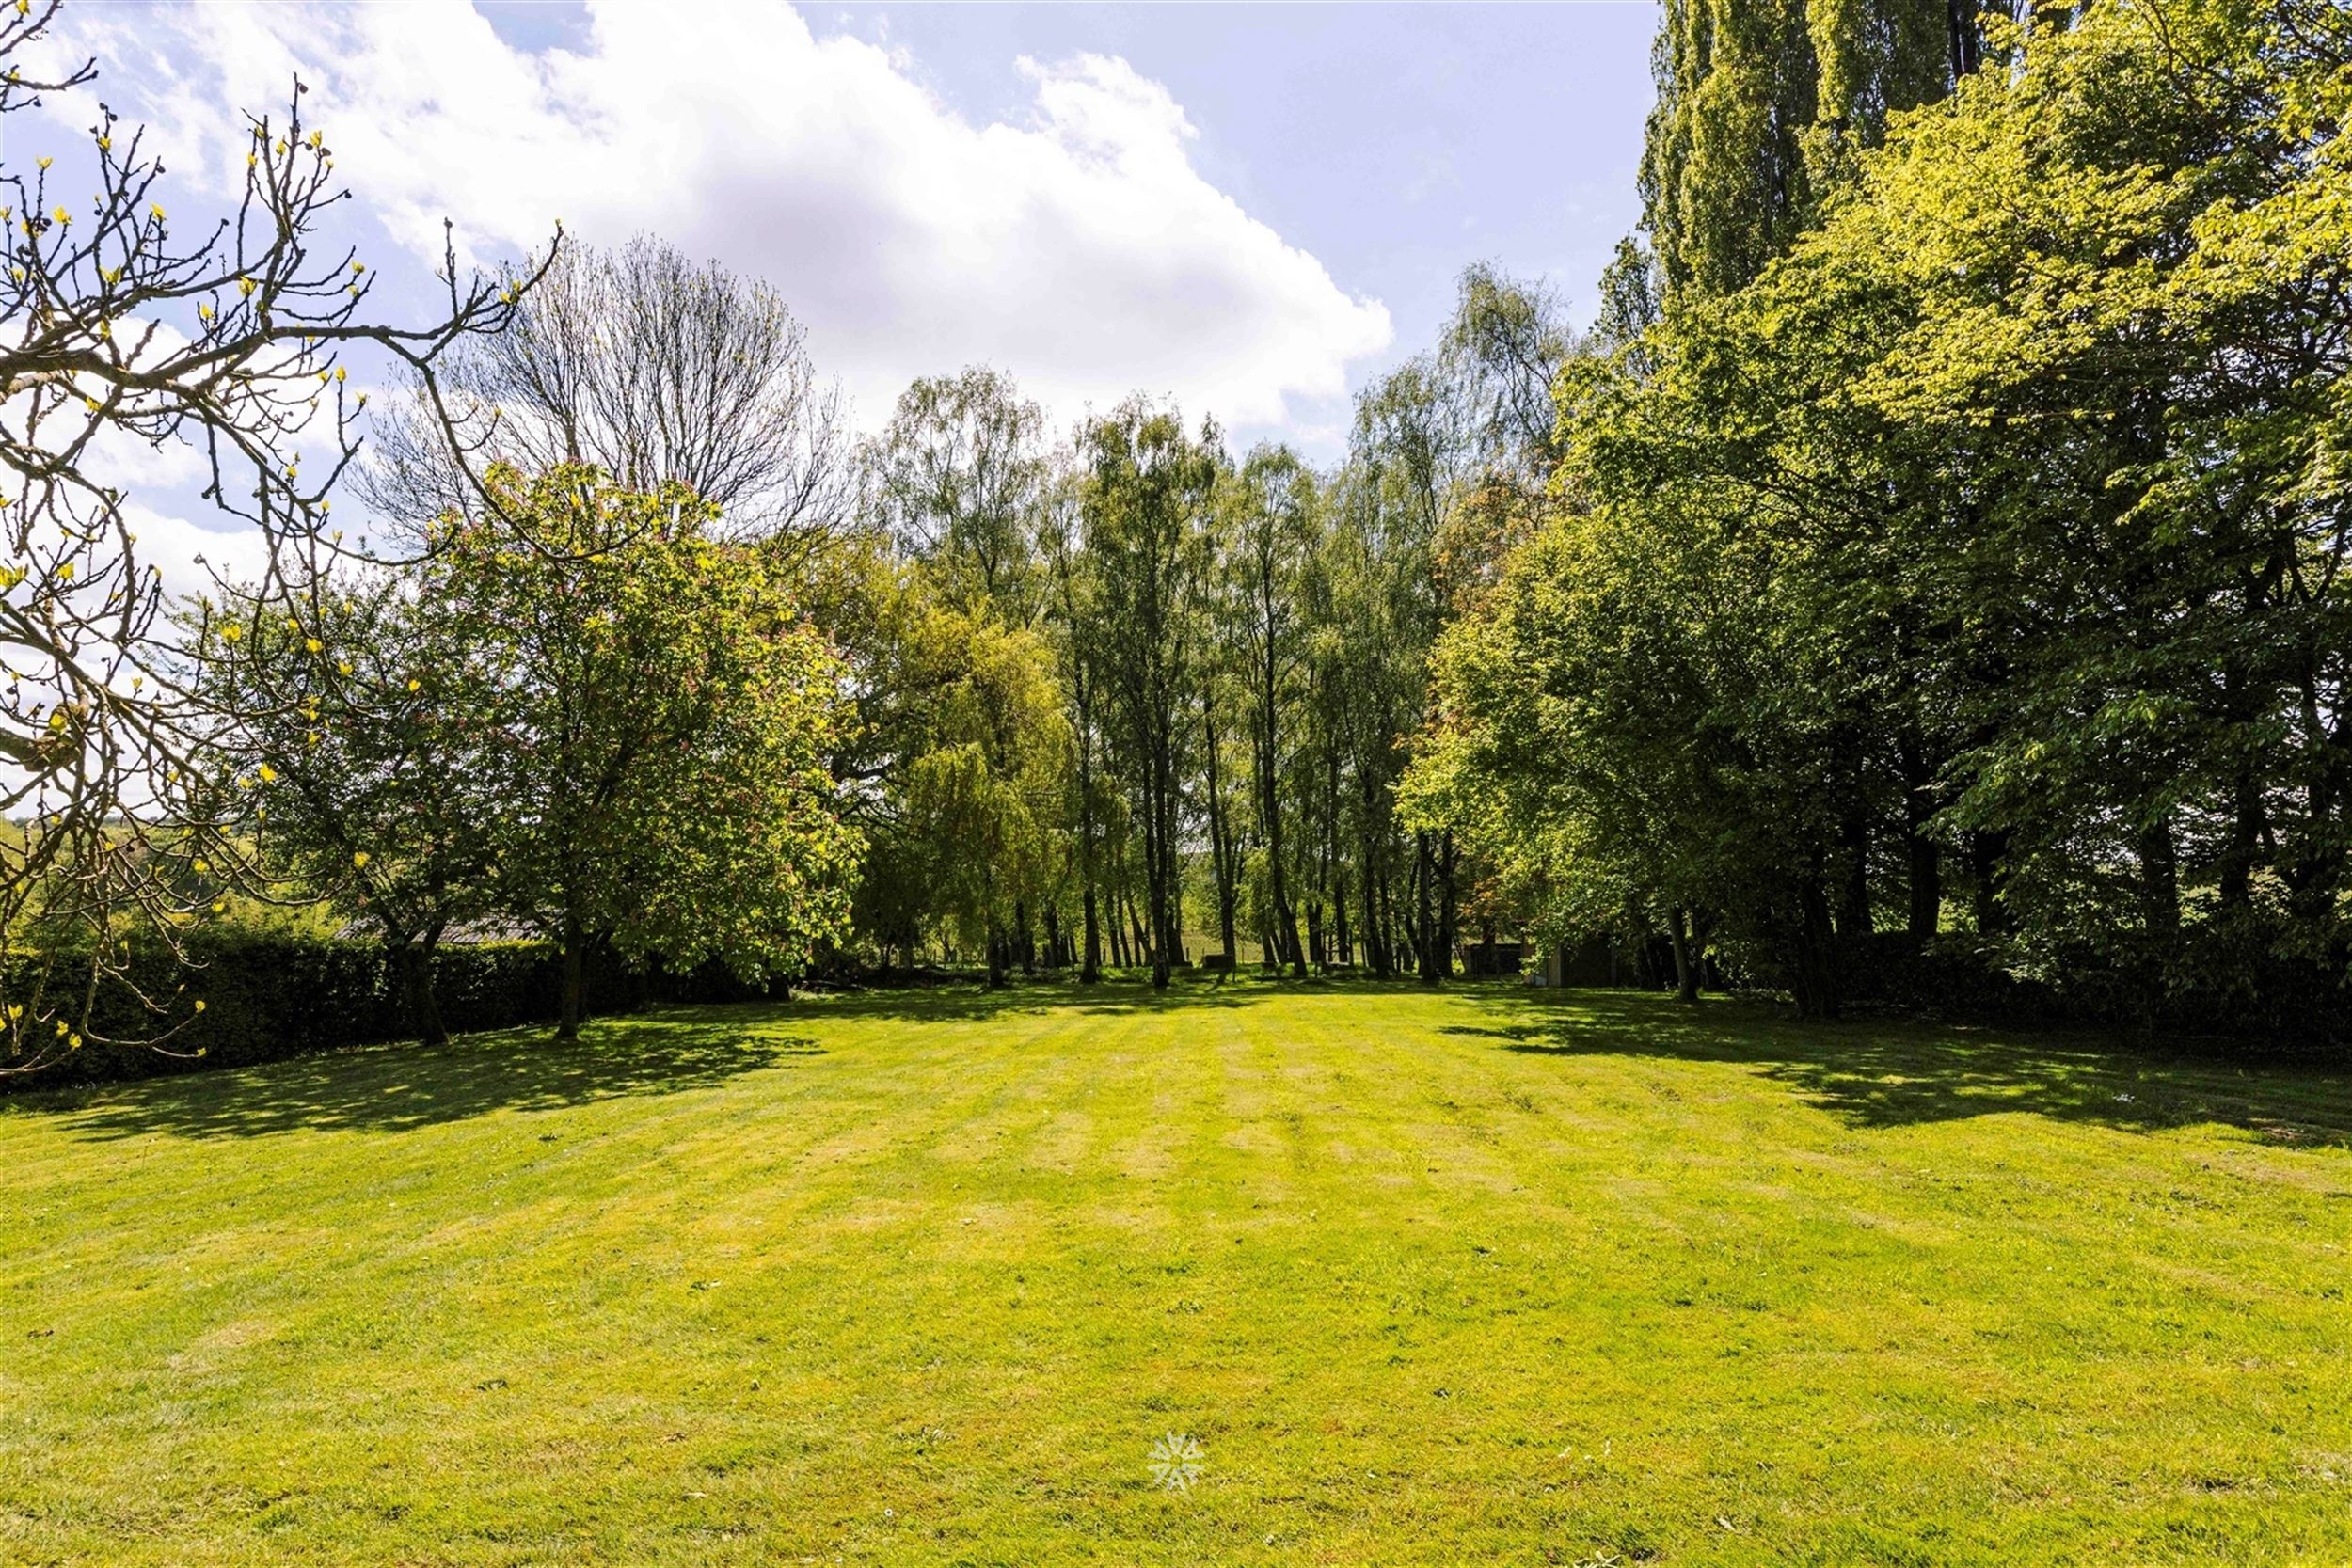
x=1491, y=1277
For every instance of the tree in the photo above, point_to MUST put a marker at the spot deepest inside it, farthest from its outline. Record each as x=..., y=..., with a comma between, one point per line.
x=1272, y=537
x=1074, y=596
x=358, y=743
x=660, y=725
x=121, y=328
x=1967, y=581
x=1146, y=504
x=962, y=760
x=1762, y=106
x=984, y=792
x=648, y=366
x=956, y=478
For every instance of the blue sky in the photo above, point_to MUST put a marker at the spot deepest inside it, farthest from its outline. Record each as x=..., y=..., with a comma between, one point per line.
x=1395, y=143
x=1253, y=209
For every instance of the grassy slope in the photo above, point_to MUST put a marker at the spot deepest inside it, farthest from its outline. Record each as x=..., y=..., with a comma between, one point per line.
x=1493, y=1276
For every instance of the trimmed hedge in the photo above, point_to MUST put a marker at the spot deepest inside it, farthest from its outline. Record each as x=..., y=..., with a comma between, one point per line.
x=270, y=997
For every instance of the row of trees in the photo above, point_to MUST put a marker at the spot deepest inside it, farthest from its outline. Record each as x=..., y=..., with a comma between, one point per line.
x=647, y=657
x=1936, y=547
x=1104, y=677
x=1024, y=699
x=1949, y=546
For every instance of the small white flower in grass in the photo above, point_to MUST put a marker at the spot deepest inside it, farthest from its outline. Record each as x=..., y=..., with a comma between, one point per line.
x=1175, y=1462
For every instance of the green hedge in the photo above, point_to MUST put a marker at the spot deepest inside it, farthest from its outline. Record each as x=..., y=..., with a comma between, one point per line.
x=270, y=997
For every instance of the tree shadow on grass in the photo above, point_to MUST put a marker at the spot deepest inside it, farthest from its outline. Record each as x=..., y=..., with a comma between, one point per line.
x=1881, y=1072
x=1111, y=996
x=400, y=1087
x=396, y=1087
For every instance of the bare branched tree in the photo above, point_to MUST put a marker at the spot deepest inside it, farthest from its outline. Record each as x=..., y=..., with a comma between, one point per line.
x=650, y=367
x=114, y=328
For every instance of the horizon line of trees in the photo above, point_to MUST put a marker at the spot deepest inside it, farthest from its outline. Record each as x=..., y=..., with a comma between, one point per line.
x=1926, y=572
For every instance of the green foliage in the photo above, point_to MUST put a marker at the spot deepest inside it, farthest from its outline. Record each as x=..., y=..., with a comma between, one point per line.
x=660, y=716
x=353, y=743
x=1990, y=540
x=1149, y=492
x=956, y=479
x=1761, y=107
x=983, y=784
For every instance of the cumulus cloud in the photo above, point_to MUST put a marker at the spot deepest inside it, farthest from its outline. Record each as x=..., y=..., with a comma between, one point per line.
x=1078, y=249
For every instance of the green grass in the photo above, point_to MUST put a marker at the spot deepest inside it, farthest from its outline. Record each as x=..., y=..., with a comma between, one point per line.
x=1493, y=1276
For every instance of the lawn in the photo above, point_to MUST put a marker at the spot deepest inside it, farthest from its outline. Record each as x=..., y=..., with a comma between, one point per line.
x=1487, y=1277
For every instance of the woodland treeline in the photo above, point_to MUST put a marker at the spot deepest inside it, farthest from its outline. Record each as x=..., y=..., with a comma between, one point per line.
x=1922, y=581
x=1130, y=684
x=1944, y=585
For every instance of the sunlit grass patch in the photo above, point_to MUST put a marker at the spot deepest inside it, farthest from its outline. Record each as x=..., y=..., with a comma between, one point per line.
x=1376, y=1276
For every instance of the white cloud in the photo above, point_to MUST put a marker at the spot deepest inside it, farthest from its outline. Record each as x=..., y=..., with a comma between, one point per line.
x=1079, y=250
x=194, y=559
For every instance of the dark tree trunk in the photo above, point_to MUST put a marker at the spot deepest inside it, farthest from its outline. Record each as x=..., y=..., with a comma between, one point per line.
x=1923, y=858
x=417, y=984
x=1988, y=848
x=2159, y=881
x=2239, y=851
x=1926, y=912
x=1448, y=906
x=1817, y=951
x=995, y=947
x=1967, y=48
x=1854, y=921
x=1424, y=921
x=574, y=1008
x=1686, y=953
x=1221, y=852
x=1091, y=966
x=1158, y=855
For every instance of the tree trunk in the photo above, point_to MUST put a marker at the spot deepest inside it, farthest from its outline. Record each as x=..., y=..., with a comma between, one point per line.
x=1817, y=951
x=1090, y=967
x=1425, y=915
x=574, y=1010
x=2159, y=881
x=1686, y=953
x=1923, y=856
x=1987, y=848
x=1157, y=856
x=1449, y=931
x=1854, y=921
x=1221, y=855
x=1339, y=920
x=424, y=997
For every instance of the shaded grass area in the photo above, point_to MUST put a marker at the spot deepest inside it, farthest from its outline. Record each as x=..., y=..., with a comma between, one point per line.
x=1487, y=1277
